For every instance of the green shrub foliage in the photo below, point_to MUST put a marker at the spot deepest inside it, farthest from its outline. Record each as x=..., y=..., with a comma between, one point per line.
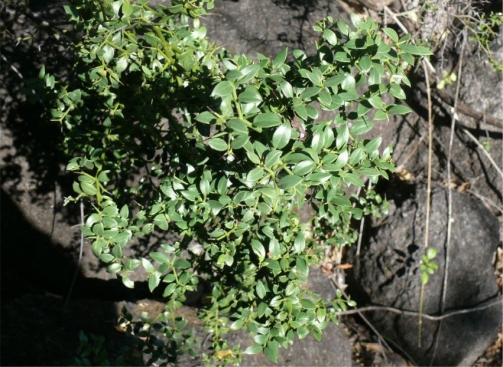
x=168, y=132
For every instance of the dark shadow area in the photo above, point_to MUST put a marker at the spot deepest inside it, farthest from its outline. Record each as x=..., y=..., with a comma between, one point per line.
x=33, y=37
x=32, y=263
x=36, y=276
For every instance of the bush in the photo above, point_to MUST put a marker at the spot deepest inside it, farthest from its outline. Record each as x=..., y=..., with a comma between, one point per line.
x=170, y=133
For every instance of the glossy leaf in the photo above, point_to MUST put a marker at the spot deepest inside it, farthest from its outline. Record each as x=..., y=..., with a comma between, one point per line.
x=222, y=89
x=281, y=136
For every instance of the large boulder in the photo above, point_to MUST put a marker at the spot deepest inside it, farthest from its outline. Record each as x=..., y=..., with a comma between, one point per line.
x=389, y=275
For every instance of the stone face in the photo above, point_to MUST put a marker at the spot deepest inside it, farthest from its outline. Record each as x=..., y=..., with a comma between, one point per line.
x=389, y=275
x=333, y=350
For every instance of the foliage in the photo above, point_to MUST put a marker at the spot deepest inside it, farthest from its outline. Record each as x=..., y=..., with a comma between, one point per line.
x=91, y=352
x=428, y=266
x=170, y=133
x=484, y=32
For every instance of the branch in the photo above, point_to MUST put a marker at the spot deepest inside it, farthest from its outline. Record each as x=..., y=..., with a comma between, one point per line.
x=465, y=110
x=412, y=313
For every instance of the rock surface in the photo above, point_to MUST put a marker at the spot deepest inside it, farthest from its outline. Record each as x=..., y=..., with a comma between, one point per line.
x=389, y=275
x=50, y=332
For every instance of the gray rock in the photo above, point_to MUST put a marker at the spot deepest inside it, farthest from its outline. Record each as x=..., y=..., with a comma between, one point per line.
x=333, y=350
x=267, y=26
x=388, y=274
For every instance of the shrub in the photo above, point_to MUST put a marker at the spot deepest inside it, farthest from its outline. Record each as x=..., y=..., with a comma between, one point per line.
x=167, y=132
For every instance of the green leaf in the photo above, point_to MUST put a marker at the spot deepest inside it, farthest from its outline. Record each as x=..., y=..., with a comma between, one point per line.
x=253, y=349
x=107, y=53
x=274, y=248
x=304, y=167
x=127, y=9
x=286, y=88
x=249, y=73
x=282, y=136
x=260, y=289
x=233, y=75
x=114, y=268
x=391, y=33
x=250, y=95
x=271, y=351
x=372, y=145
x=272, y=158
x=335, y=80
x=380, y=115
x=237, y=125
x=341, y=161
x=218, y=144
x=310, y=92
x=424, y=278
x=342, y=136
x=181, y=264
x=147, y=265
x=354, y=179
x=374, y=77
x=361, y=127
x=255, y=175
x=348, y=83
x=121, y=64
x=153, y=281
x=324, y=97
x=258, y=249
x=365, y=63
x=396, y=91
x=289, y=181
x=267, y=119
x=160, y=257
x=343, y=27
x=223, y=89
x=124, y=213
x=280, y=58
x=307, y=303
x=88, y=188
x=301, y=111
x=398, y=110
x=330, y=36
x=205, y=117
x=376, y=101
x=127, y=282
x=416, y=50
x=301, y=266
x=316, y=332
x=431, y=253
x=239, y=141
x=300, y=242
x=236, y=325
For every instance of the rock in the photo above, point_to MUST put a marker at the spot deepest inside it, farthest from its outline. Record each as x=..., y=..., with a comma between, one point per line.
x=267, y=26
x=387, y=273
x=333, y=350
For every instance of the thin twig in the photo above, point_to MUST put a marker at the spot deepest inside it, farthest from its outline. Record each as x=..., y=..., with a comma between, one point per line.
x=449, y=201
x=484, y=151
x=415, y=314
x=80, y=255
x=362, y=223
x=486, y=200
x=468, y=111
x=380, y=339
x=14, y=69
x=428, y=192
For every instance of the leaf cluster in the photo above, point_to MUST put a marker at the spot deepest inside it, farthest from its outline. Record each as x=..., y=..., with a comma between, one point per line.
x=169, y=133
